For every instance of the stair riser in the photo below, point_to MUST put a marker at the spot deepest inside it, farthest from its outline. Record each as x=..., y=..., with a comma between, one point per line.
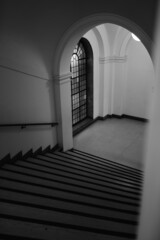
x=66, y=206
x=52, y=177
x=109, y=162
x=50, y=193
x=58, y=162
x=73, y=161
x=43, y=231
x=57, y=171
x=66, y=188
x=91, y=162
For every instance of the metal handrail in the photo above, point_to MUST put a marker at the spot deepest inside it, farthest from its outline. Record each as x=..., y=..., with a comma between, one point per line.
x=24, y=125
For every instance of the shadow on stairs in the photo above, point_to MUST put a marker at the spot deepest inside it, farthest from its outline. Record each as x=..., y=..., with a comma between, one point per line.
x=68, y=195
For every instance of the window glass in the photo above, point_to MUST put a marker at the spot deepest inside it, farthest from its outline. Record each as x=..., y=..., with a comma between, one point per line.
x=78, y=84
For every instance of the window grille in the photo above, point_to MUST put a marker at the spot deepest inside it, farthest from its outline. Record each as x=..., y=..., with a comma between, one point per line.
x=79, y=84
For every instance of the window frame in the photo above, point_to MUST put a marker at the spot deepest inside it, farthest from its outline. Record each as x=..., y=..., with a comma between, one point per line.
x=79, y=96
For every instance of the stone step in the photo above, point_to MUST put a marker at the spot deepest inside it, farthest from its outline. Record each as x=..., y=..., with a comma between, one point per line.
x=70, y=188
x=66, y=206
x=74, y=182
x=64, y=219
x=75, y=161
x=32, y=188
x=100, y=165
x=21, y=229
x=106, y=161
x=58, y=161
x=61, y=172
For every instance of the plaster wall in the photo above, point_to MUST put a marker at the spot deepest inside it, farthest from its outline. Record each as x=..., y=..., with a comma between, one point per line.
x=25, y=99
x=139, y=81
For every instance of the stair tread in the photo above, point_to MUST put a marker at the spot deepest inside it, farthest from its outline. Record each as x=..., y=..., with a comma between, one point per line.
x=40, y=231
x=67, y=188
x=104, y=165
x=52, y=217
x=66, y=206
x=52, y=177
x=52, y=163
x=50, y=193
x=69, y=160
x=109, y=161
x=49, y=161
x=68, y=174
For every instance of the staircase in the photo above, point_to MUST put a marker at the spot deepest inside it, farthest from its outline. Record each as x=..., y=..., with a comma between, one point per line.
x=69, y=195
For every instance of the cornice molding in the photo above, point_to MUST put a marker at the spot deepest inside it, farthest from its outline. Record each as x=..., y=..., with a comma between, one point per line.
x=115, y=59
x=64, y=78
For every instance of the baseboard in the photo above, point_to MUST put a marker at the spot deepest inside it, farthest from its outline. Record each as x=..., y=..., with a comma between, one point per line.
x=135, y=118
x=47, y=149
x=20, y=156
x=28, y=154
x=102, y=118
x=16, y=157
x=121, y=116
x=117, y=116
x=5, y=159
x=109, y=116
x=38, y=151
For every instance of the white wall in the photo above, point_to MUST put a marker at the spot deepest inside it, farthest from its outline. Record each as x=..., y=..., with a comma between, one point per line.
x=119, y=86
x=139, y=80
x=26, y=89
x=105, y=72
x=25, y=99
x=27, y=43
x=124, y=82
x=92, y=36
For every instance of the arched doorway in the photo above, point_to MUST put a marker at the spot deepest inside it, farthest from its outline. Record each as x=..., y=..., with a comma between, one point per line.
x=123, y=85
x=62, y=66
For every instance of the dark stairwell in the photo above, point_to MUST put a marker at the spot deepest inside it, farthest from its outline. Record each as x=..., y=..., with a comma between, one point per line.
x=68, y=195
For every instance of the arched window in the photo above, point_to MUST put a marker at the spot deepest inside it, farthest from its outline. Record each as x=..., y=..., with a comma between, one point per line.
x=81, y=68
x=79, y=84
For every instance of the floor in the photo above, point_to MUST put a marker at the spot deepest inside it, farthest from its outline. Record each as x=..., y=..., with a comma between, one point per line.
x=120, y=140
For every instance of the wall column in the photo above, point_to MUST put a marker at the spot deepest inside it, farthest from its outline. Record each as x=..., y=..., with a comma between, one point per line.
x=112, y=85
x=119, y=84
x=64, y=110
x=105, y=81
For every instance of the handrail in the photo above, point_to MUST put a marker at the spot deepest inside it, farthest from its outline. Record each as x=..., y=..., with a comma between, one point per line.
x=24, y=125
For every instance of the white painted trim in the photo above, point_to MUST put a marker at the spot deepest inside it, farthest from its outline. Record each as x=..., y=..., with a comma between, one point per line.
x=63, y=79
x=115, y=59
